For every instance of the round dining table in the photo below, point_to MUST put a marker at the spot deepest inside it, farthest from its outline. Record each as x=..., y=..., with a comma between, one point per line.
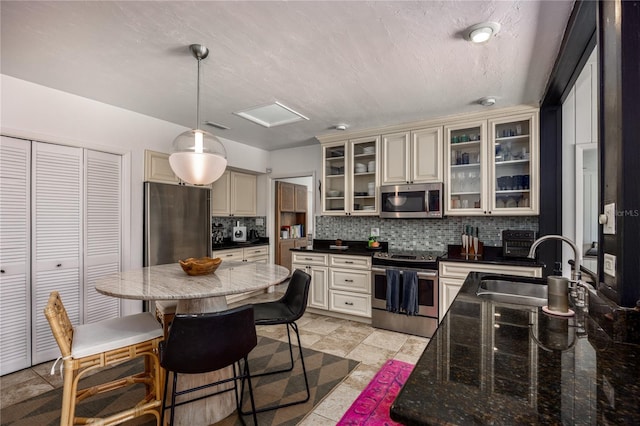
x=195, y=294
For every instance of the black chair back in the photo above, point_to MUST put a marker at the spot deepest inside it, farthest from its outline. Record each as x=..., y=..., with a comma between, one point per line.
x=295, y=298
x=199, y=343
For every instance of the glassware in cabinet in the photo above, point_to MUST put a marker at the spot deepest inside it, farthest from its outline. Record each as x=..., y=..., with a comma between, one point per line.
x=514, y=166
x=465, y=169
x=364, y=176
x=335, y=173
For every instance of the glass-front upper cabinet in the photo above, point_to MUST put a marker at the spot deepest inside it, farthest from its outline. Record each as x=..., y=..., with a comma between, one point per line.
x=513, y=169
x=334, y=158
x=465, y=171
x=363, y=188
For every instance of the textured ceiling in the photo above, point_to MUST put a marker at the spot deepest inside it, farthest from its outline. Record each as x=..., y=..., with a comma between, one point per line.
x=366, y=64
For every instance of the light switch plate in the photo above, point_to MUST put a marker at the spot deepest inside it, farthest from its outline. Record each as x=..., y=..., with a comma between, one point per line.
x=610, y=213
x=375, y=232
x=610, y=264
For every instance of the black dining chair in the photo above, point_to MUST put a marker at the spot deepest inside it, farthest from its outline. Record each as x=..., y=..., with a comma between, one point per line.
x=287, y=310
x=201, y=343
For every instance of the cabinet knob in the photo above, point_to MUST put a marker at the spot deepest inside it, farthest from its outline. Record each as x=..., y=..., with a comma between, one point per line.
x=348, y=303
x=1, y=271
x=58, y=265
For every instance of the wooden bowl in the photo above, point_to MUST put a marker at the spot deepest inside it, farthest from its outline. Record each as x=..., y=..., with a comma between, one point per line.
x=200, y=266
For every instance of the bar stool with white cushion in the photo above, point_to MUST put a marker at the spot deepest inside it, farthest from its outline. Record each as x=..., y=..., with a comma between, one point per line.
x=105, y=343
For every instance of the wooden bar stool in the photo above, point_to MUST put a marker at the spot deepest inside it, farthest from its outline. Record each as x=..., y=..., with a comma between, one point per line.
x=105, y=343
x=165, y=312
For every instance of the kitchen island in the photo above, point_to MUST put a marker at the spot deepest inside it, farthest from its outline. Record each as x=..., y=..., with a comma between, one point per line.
x=500, y=363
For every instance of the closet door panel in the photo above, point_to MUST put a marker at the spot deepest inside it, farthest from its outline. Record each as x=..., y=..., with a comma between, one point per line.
x=102, y=236
x=15, y=315
x=56, y=238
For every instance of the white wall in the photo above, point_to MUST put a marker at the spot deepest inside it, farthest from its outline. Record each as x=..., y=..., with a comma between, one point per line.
x=36, y=112
x=579, y=126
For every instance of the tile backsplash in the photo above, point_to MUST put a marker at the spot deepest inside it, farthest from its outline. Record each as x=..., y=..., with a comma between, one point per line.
x=420, y=234
x=250, y=222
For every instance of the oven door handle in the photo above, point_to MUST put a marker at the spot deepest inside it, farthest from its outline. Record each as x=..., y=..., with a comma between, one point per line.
x=430, y=274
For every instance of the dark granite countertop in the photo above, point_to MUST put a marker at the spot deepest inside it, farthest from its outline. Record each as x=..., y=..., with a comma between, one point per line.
x=358, y=248
x=503, y=364
x=491, y=255
x=228, y=244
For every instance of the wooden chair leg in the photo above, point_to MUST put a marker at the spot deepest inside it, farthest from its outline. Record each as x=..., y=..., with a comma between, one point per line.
x=67, y=414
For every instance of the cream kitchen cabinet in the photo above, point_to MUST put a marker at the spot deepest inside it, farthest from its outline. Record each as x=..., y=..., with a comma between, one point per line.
x=316, y=265
x=453, y=274
x=412, y=157
x=350, y=177
x=234, y=194
x=350, y=285
x=157, y=168
x=259, y=254
x=492, y=166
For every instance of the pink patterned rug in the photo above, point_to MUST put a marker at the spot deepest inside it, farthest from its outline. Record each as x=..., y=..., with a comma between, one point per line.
x=373, y=404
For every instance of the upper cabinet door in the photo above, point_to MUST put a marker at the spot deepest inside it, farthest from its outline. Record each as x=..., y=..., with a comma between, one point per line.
x=15, y=278
x=220, y=196
x=243, y=194
x=426, y=154
x=286, y=197
x=513, y=170
x=300, y=198
x=157, y=168
x=466, y=171
x=335, y=174
x=396, y=158
x=363, y=179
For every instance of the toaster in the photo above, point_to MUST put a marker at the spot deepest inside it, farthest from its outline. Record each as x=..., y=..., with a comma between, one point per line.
x=517, y=243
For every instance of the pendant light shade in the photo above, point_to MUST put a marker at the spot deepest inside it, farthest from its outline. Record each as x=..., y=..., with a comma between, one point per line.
x=199, y=158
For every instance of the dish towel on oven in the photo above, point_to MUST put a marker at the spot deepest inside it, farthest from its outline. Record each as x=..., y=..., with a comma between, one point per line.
x=393, y=290
x=410, y=293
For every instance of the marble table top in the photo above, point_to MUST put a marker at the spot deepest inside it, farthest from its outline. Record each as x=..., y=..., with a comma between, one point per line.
x=170, y=282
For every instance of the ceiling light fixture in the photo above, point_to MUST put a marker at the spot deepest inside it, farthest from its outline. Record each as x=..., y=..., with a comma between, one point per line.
x=487, y=101
x=199, y=158
x=480, y=33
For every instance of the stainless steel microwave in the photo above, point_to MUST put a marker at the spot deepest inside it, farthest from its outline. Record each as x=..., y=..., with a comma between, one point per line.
x=423, y=200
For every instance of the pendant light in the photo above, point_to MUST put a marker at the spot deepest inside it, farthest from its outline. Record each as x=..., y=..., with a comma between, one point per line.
x=199, y=157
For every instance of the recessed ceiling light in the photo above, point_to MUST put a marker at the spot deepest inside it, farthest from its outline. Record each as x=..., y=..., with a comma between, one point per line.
x=487, y=101
x=480, y=33
x=271, y=115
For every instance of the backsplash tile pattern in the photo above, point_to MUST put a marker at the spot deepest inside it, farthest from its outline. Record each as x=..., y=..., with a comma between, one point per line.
x=250, y=222
x=420, y=234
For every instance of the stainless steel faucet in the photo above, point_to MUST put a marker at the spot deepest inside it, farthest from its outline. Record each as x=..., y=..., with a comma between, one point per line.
x=576, y=275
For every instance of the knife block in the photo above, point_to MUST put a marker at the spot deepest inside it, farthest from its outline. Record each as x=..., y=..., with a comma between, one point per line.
x=471, y=252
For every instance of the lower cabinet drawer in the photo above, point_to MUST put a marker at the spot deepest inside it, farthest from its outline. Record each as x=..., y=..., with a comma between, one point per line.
x=350, y=280
x=256, y=251
x=350, y=303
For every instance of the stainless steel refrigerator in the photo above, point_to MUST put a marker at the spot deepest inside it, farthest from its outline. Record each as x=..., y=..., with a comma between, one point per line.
x=177, y=223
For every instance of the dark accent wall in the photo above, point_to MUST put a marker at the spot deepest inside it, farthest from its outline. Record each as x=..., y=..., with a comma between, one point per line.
x=619, y=149
x=577, y=44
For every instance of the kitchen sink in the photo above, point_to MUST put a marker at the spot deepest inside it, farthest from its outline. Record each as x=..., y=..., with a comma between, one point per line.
x=516, y=290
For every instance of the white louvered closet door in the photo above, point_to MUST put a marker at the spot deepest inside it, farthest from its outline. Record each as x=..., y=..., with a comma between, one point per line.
x=56, y=238
x=15, y=314
x=103, y=230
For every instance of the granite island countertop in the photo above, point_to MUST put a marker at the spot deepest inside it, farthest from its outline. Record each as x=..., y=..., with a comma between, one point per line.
x=503, y=364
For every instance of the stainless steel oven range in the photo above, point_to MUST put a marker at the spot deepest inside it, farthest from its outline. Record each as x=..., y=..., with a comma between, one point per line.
x=425, y=264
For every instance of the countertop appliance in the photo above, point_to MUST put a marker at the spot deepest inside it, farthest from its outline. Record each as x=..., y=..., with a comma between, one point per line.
x=516, y=243
x=177, y=223
x=424, y=263
x=411, y=201
x=239, y=233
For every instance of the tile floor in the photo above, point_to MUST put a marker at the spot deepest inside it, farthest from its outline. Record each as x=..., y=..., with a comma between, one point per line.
x=349, y=339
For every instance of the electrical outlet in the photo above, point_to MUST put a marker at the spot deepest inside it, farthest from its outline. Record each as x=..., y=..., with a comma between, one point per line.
x=610, y=264
x=610, y=212
x=259, y=221
x=375, y=232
